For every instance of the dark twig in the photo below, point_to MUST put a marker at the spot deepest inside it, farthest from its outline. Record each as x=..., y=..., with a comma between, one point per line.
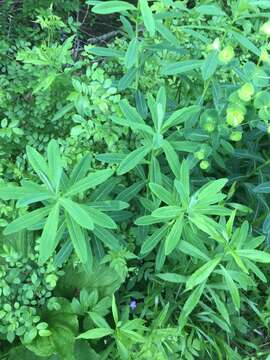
x=104, y=37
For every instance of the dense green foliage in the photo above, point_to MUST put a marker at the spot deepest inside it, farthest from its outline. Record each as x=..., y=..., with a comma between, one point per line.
x=134, y=180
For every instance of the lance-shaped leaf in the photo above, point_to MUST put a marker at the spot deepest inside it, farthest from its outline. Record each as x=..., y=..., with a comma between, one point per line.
x=27, y=220
x=110, y=7
x=48, y=238
x=107, y=238
x=210, y=65
x=55, y=164
x=202, y=273
x=131, y=56
x=181, y=67
x=232, y=288
x=80, y=169
x=190, y=304
x=148, y=18
x=78, y=213
x=163, y=194
x=95, y=333
x=37, y=161
x=78, y=239
x=11, y=192
x=174, y=235
x=152, y=241
x=180, y=116
x=89, y=181
x=133, y=159
x=130, y=112
x=167, y=212
x=100, y=218
x=172, y=158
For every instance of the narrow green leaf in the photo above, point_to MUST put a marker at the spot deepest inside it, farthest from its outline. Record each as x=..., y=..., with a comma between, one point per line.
x=213, y=10
x=114, y=310
x=245, y=42
x=189, y=305
x=37, y=161
x=127, y=79
x=232, y=288
x=110, y=7
x=78, y=213
x=131, y=56
x=172, y=277
x=181, y=67
x=180, y=116
x=192, y=251
x=148, y=18
x=167, y=212
x=104, y=51
x=10, y=192
x=100, y=218
x=25, y=221
x=255, y=255
x=163, y=194
x=55, y=164
x=48, y=238
x=172, y=158
x=107, y=238
x=174, y=235
x=152, y=241
x=202, y=273
x=78, y=239
x=133, y=159
x=88, y=182
x=263, y=188
x=95, y=333
x=166, y=34
x=209, y=190
x=80, y=169
x=210, y=65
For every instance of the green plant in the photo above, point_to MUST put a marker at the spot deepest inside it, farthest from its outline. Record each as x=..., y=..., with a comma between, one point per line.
x=135, y=163
x=61, y=207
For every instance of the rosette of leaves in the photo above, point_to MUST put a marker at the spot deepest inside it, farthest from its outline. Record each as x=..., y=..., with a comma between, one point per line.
x=61, y=208
x=156, y=138
x=182, y=209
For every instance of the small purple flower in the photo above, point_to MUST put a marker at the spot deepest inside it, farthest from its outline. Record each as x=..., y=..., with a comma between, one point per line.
x=133, y=304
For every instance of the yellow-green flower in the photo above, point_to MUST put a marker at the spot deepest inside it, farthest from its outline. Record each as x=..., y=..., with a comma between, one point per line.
x=234, y=116
x=226, y=55
x=236, y=136
x=200, y=155
x=265, y=28
x=245, y=92
x=265, y=56
x=204, y=164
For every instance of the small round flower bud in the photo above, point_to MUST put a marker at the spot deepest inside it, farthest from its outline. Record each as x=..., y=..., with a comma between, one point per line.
x=246, y=91
x=204, y=164
x=226, y=55
x=234, y=117
x=265, y=28
x=199, y=155
x=236, y=136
